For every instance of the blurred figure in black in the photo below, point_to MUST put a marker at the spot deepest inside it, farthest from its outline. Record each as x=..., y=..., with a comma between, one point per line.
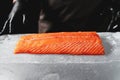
x=5, y=7
x=64, y=15
x=23, y=17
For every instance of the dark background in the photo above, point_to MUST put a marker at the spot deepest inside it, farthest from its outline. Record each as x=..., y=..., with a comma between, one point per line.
x=60, y=15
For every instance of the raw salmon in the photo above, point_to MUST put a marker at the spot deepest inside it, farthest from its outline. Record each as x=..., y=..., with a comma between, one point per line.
x=74, y=43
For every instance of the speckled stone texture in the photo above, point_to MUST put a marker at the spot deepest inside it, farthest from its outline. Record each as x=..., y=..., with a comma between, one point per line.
x=60, y=67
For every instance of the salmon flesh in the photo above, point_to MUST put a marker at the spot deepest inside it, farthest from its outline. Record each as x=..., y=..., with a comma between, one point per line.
x=73, y=43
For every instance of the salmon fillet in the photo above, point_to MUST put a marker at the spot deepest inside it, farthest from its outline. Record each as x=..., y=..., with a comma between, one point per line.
x=74, y=43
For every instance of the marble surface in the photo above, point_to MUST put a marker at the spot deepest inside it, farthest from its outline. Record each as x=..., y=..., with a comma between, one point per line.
x=111, y=42
x=60, y=67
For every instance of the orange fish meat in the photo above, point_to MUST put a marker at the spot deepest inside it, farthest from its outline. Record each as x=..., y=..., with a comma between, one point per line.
x=73, y=43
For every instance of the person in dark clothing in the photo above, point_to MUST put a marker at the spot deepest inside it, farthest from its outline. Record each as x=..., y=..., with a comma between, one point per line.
x=64, y=15
x=5, y=7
